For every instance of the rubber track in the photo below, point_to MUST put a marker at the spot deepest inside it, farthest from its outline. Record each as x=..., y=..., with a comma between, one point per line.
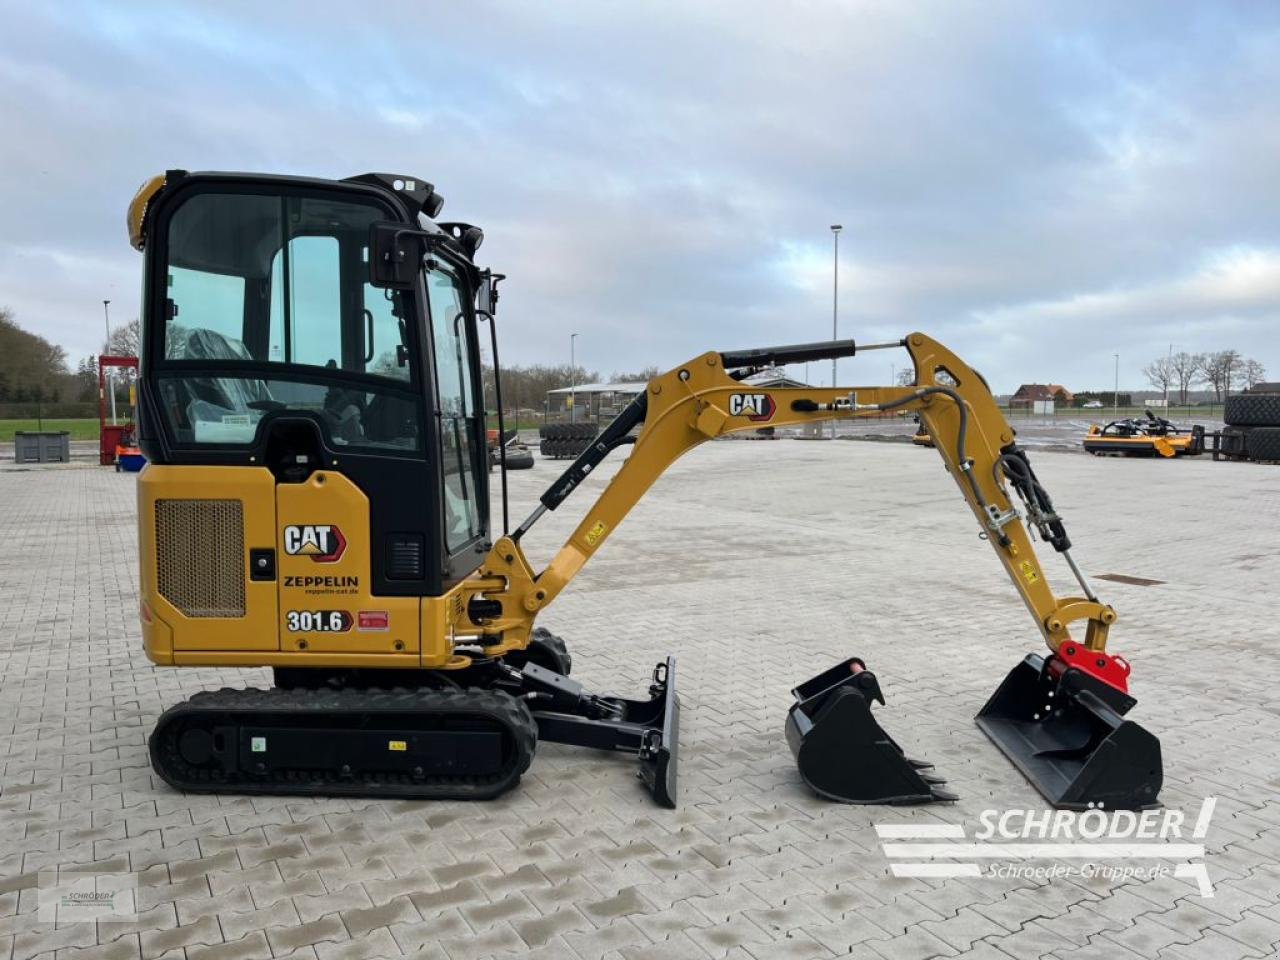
x=251, y=705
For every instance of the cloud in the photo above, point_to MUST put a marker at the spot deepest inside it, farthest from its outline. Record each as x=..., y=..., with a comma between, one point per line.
x=1038, y=186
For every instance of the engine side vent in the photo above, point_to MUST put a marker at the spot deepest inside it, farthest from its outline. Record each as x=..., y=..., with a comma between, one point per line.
x=406, y=556
x=200, y=556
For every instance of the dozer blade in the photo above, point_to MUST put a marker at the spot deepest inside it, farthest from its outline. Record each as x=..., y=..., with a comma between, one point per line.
x=566, y=713
x=842, y=752
x=1066, y=732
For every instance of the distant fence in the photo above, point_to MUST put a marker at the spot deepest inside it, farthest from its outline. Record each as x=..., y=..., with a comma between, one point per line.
x=1204, y=411
x=51, y=411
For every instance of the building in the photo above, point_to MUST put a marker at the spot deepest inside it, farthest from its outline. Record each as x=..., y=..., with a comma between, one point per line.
x=1029, y=394
x=595, y=401
x=773, y=377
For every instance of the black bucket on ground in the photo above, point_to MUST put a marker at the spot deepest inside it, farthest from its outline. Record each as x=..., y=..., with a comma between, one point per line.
x=842, y=752
x=1065, y=730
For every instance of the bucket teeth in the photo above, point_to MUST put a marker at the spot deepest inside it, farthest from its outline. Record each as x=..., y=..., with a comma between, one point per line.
x=843, y=753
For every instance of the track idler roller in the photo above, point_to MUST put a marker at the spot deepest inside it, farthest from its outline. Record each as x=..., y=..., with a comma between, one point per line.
x=1065, y=730
x=843, y=753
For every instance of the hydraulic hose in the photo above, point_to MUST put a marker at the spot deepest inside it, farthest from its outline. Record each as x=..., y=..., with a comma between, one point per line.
x=962, y=435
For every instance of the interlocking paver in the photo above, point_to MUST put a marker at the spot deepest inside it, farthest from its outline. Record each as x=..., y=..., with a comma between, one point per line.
x=472, y=946
x=203, y=932
x=122, y=948
x=414, y=937
x=328, y=928
x=253, y=946
x=618, y=934
x=236, y=925
x=362, y=920
x=729, y=574
x=350, y=897
x=540, y=930
x=374, y=945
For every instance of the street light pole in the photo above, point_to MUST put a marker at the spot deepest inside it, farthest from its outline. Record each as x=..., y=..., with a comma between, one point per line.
x=573, y=380
x=835, y=305
x=106, y=319
x=1168, y=375
x=1115, y=393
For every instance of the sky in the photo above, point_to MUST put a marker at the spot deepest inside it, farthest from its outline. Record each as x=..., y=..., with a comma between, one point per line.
x=1040, y=186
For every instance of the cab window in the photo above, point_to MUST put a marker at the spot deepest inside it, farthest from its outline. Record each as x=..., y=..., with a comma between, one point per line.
x=460, y=421
x=281, y=282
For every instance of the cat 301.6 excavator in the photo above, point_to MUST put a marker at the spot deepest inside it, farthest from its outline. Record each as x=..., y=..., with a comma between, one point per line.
x=317, y=502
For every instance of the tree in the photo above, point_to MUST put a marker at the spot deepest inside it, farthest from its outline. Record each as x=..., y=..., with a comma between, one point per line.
x=644, y=376
x=1251, y=372
x=1159, y=373
x=526, y=387
x=31, y=368
x=125, y=340
x=1220, y=370
x=1186, y=369
x=86, y=379
x=906, y=377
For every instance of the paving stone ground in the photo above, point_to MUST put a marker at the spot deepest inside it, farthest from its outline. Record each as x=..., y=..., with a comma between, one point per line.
x=757, y=564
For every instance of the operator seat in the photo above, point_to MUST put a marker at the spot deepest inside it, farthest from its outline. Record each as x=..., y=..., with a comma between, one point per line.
x=219, y=408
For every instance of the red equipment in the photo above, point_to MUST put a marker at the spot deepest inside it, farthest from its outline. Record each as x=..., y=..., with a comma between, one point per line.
x=111, y=435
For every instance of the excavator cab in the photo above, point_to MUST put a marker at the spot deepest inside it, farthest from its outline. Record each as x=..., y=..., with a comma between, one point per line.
x=270, y=344
x=318, y=501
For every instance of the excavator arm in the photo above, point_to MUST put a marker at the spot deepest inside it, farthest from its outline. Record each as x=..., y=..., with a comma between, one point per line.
x=1076, y=749
x=701, y=400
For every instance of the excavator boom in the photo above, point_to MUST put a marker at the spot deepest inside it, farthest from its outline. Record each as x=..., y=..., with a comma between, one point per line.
x=1076, y=750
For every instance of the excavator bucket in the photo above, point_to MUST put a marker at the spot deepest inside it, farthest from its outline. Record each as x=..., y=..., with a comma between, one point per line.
x=1065, y=730
x=843, y=753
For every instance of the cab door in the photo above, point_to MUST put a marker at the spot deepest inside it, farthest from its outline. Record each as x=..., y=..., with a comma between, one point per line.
x=460, y=424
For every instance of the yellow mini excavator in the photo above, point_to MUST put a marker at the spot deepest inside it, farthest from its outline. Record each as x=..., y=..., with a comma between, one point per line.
x=317, y=502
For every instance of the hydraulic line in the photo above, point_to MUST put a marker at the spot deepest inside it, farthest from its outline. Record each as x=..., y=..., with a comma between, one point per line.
x=962, y=433
x=1040, y=510
x=612, y=437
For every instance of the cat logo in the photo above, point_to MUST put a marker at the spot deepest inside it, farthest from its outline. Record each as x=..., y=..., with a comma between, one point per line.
x=753, y=406
x=321, y=542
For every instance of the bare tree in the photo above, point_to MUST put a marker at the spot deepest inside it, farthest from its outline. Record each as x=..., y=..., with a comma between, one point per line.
x=527, y=386
x=643, y=376
x=906, y=377
x=1186, y=371
x=125, y=340
x=1160, y=374
x=1220, y=370
x=1251, y=372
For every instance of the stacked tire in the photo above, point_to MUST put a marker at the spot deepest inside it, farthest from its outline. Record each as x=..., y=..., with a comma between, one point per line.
x=565, y=440
x=1253, y=426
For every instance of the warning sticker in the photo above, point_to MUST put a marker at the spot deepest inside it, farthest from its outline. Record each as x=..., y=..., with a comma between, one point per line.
x=373, y=620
